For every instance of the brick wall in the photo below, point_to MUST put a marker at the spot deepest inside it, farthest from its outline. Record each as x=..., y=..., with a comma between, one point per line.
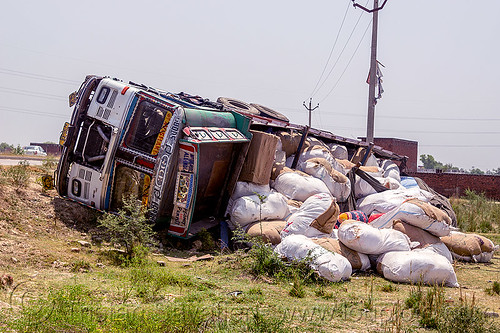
x=450, y=184
x=401, y=147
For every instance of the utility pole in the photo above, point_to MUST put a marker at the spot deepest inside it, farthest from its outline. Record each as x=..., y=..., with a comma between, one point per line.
x=373, y=70
x=310, y=109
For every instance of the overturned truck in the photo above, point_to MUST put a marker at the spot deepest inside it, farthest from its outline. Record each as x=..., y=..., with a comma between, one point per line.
x=181, y=155
x=196, y=163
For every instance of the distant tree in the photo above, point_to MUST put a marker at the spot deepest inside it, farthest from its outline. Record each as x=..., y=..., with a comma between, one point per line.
x=496, y=171
x=4, y=147
x=429, y=162
x=476, y=171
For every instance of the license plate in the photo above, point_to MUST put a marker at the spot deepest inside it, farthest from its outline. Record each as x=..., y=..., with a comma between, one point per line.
x=64, y=134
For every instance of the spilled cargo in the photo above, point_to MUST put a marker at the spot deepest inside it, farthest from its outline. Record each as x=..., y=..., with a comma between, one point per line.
x=195, y=163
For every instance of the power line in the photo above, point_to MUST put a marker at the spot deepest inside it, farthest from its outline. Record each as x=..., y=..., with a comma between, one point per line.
x=33, y=112
x=32, y=93
x=340, y=55
x=415, y=118
x=461, y=146
x=348, y=63
x=37, y=76
x=331, y=51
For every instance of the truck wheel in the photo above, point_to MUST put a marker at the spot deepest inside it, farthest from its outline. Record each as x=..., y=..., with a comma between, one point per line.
x=270, y=113
x=238, y=106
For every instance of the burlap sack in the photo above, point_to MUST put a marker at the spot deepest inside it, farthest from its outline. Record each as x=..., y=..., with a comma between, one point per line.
x=359, y=261
x=270, y=232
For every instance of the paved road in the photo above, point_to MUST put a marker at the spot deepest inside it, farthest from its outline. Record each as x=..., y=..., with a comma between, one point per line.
x=15, y=161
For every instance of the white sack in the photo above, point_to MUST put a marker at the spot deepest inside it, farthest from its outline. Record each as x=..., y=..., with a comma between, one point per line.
x=248, y=209
x=338, y=151
x=421, y=265
x=385, y=201
x=338, y=184
x=317, y=152
x=300, y=221
x=441, y=249
x=411, y=213
x=391, y=170
x=299, y=187
x=362, y=237
x=243, y=189
x=329, y=265
x=363, y=189
x=371, y=161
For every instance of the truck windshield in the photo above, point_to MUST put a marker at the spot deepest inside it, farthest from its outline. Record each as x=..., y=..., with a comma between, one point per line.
x=148, y=122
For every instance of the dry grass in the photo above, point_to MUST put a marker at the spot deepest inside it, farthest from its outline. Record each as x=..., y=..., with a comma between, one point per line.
x=39, y=234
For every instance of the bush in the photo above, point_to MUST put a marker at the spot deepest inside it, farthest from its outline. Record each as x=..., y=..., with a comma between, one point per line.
x=475, y=212
x=129, y=228
x=436, y=314
x=18, y=174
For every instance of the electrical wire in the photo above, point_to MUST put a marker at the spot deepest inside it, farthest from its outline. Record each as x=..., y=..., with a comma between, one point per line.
x=331, y=51
x=35, y=113
x=32, y=94
x=37, y=76
x=341, y=52
x=348, y=63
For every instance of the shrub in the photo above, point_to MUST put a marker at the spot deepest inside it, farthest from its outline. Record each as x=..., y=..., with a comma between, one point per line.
x=475, y=212
x=436, y=314
x=129, y=228
x=495, y=288
x=18, y=174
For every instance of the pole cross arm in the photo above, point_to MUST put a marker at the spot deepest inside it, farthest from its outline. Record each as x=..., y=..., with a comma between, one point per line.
x=366, y=9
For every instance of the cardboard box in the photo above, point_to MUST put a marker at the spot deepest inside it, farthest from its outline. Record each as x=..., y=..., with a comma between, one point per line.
x=260, y=158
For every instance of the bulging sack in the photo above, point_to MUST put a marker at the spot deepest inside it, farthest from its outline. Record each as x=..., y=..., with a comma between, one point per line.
x=358, y=261
x=363, y=188
x=315, y=217
x=364, y=238
x=391, y=170
x=338, y=151
x=298, y=185
x=417, y=266
x=248, y=209
x=331, y=266
x=423, y=238
x=268, y=231
x=419, y=214
x=470, y=247
x=338, y=184
x=385, y=201
x=243, y=189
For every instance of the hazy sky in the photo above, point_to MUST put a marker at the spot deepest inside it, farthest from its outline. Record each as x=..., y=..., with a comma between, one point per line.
x=441, y=58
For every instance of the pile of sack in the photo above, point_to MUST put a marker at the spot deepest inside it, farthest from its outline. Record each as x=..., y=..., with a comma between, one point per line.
x=404, y=232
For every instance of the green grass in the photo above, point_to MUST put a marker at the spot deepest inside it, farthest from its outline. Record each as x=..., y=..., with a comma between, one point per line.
x=476, y=213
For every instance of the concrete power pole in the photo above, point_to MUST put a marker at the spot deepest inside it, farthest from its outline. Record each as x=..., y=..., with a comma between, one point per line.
x=310, y=109
x=370, y=122
x=373, y=70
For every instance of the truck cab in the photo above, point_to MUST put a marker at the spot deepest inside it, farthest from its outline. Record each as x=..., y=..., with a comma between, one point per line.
x=125, y=139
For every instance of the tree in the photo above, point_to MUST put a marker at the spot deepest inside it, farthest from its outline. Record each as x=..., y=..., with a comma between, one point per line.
x=4, y=146
x=476, y=171
x=431, y=163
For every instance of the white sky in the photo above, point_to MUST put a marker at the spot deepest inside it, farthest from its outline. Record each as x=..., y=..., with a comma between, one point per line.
x=441, y=75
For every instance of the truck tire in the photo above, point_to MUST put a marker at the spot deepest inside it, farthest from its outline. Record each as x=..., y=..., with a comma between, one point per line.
x=238, y=106
x=270, y=113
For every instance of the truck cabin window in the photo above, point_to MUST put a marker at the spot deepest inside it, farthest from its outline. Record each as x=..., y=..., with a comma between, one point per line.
x=129, y=182
x=146, y=126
